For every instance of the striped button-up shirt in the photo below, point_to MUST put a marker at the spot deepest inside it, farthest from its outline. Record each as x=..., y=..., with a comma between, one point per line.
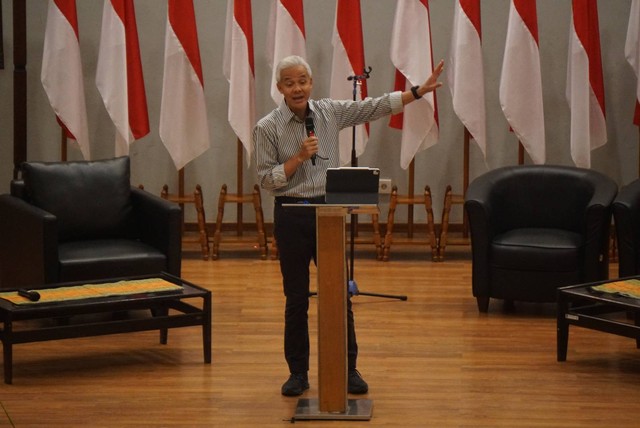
x=278, y=137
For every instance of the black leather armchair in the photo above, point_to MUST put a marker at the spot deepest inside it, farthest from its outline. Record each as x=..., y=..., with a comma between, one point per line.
x=535, y=228
x=76, y=221
x=626, y=215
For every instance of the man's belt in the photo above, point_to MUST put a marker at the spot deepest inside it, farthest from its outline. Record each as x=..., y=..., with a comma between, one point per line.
x=294, y=200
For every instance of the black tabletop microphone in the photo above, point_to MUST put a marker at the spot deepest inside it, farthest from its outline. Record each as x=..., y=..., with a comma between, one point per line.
x=32, y=295
x=311, y=131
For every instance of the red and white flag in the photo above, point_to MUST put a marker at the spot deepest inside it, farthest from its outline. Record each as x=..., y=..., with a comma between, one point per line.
x=585, y=87
x=286, y=37
x=521, y=80
x=348, y=60
x=61, y=73
x=465, y=74
x=119, y=74
x=238, y=67
x=183, y=114
x=632, y=51
x=412, y=56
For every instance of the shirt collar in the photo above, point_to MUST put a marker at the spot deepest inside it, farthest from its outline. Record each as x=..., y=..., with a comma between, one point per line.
x=288, y=115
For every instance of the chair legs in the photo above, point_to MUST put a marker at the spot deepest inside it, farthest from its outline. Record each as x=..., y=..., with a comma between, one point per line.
x=256, y=200
x=197, y=200
x=393, y=203
x=444, y=239
x=483, y=304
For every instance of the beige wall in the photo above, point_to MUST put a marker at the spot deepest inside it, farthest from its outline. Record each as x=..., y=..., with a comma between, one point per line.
x=438, y=166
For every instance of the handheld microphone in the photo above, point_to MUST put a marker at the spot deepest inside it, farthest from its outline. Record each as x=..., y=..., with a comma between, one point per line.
x=311, y=131
x=32, y=295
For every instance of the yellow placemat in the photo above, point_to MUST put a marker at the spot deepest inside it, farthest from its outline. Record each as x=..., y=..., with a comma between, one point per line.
x=627, y=287
x=89, y=291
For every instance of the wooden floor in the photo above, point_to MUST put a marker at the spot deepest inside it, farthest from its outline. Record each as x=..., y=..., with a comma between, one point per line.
x=430, y=361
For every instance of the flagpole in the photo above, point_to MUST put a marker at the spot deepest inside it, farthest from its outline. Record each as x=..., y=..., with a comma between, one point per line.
x=465, y=179
x=63, y=145
x=457, y=199
x=411, y=194
x=520, y=153
x=239, y=182
x=465, y=161
x=19, y=85
x=1, y=41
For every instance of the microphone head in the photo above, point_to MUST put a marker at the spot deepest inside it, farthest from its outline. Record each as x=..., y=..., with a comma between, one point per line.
x=308, y=123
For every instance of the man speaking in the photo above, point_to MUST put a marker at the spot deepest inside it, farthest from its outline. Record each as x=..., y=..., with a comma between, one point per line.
x=293, y=146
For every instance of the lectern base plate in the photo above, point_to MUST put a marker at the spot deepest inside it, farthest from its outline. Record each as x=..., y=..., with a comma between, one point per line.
x=357, y=410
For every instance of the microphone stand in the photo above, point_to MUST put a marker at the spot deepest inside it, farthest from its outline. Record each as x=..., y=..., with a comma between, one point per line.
x=352, y=286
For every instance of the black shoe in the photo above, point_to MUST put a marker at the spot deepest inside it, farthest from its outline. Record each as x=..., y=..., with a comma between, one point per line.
x=295, y=385
x=357, y=385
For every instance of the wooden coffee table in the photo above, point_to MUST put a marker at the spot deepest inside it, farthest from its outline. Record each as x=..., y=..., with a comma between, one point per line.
x=581, y=306
x=166, y=310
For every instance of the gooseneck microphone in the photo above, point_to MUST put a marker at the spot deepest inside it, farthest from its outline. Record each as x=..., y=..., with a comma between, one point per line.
x=311, y=131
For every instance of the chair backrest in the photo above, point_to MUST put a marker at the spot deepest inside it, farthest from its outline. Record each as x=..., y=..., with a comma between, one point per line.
x=91, y=199
x=544, y=196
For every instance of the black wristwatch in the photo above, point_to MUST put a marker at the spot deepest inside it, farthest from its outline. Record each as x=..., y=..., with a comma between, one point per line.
x=414, y=91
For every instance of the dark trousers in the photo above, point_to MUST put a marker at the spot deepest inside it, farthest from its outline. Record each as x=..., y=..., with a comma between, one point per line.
x=295, y=233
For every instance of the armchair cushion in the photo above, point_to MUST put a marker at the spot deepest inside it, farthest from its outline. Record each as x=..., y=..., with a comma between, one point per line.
x=104, y=258
x=537, y=249
x=91, y=200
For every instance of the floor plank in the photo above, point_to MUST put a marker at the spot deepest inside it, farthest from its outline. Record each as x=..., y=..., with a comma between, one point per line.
x=432, y=360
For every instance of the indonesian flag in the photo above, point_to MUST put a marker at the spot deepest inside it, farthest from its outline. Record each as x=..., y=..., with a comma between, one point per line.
x=119, y=74
x=286, y=37
x=585, y=88
x=239, y=69
x=632, y=51
x=61, y=73
x=521, y=82
x=411, y=55
x=348, y=60
x=465, y=74
x=183, y=115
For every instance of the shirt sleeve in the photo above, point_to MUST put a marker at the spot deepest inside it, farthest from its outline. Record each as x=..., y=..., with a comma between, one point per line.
x=395, y=98
x=270, y=171
x=350, y=113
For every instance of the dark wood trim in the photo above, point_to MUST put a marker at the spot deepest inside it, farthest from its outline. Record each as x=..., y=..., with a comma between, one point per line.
x=1, y=40
x=19, y=84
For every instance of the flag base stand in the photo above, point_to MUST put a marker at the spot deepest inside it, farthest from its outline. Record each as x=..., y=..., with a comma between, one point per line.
x=357, y=410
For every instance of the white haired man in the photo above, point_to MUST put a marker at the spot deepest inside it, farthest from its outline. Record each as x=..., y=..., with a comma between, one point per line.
x=283, y=153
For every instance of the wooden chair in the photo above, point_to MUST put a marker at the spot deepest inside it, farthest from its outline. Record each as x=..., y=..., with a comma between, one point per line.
x=366, y=240
x=253, y=198
x=425, y=200
x=197, y=200
x=443, y=238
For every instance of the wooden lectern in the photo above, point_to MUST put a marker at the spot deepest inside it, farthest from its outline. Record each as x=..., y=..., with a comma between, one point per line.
x=333, y=403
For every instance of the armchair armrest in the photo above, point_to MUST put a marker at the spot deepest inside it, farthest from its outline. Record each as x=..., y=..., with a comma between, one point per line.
x=597, y=227
x=479, y=208
x=159, y=223
x=28, y=244
x=626, y=212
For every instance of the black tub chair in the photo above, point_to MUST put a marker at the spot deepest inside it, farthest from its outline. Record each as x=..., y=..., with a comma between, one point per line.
x=535, y=228
x=76, y=221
